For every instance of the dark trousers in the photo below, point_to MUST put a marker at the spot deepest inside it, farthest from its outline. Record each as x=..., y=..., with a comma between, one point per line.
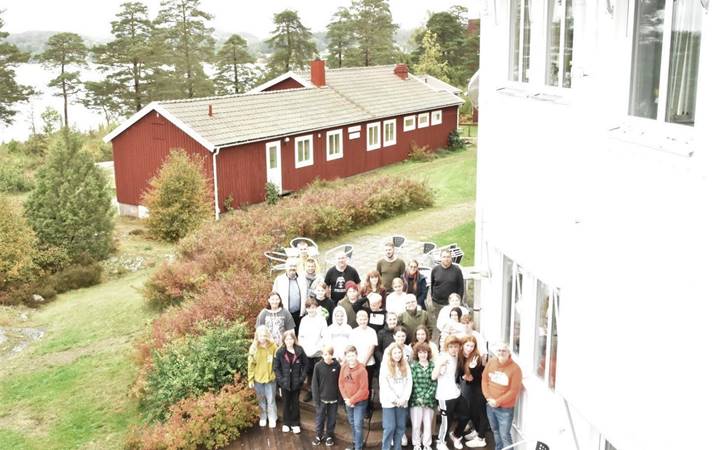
x=371, y=372
x=325, y=416
x=476, y=413
x=296, y=320
x=291, y=408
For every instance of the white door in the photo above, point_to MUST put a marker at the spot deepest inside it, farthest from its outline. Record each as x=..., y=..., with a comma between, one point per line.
x=273, y=164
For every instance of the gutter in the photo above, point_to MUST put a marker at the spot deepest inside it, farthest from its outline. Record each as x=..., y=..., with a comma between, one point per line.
x=217, y=208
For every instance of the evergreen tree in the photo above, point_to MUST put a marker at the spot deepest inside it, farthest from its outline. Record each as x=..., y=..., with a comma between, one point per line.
x=71, y=205
x=179, y=197
x=371, y=24
x=234, y=72
x=63, y=51
x=17, y=245
x=292, y=43
x=184, y=30
x=340, y=37
x=10, y=91
x=431, y=62
x=128, y=62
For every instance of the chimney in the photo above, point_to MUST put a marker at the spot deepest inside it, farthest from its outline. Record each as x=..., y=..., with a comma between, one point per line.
x=401, y=71
x=317, y=72
x=211, y=110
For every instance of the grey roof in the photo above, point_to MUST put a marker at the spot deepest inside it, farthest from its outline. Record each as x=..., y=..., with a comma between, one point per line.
x=350, y=95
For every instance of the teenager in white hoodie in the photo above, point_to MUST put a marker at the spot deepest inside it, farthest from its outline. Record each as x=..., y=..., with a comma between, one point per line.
x=395, y=391
x=310, y=337
x=338, y=333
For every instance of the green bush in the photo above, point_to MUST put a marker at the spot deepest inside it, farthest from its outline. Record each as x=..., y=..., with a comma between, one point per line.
x=272, y=194
x=13, y=178
x=179, y=198
x=17, y=246
x=420, y=153
x=456, y=142
x=193, y=365
x=76, y=277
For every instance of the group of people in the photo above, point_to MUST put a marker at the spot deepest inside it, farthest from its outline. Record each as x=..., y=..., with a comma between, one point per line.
x=336, y=336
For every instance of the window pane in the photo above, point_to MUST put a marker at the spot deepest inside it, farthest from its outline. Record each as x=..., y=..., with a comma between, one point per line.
x=526, y=44
x=647, y=47
x=554, y=341
x=517, y=312
x=553, y=44
x=514, y=42
x=542, y=328
x=684, y=62
x=273, y=157
x=507, y=285
x=568, y=45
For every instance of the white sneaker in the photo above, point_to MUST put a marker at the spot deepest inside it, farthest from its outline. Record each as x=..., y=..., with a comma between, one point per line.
x=285, y=428
x=295, y=429
x=271, y=424
x=417, y=447
x=457, y=442
x=262, y=423
x=471, y=435
x=404, y=440
x=442, y=446
x=477, y=442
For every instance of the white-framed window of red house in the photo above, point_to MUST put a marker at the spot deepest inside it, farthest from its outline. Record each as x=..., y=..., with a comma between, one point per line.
x=333, y=145
x=303, y=151
x=373, y=136
x=423, y=120
x=436, y=117
x=408, y=123
x=389, y=132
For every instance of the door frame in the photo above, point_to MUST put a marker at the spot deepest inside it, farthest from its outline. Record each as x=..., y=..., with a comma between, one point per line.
x=268, y=163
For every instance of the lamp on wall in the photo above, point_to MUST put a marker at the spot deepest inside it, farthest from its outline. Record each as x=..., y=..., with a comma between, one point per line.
x=609, y=7
x=706, y=4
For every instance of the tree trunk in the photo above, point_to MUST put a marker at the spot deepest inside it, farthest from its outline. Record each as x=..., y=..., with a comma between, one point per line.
x=137, y=94
x=64, y=94
x=235, y=71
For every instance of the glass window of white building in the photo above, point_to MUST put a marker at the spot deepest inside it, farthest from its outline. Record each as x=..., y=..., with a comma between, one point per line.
x=519, y=40
x=559, y=43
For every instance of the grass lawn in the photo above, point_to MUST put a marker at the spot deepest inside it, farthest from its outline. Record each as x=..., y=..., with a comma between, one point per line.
x=464, y=236
x=70, y=388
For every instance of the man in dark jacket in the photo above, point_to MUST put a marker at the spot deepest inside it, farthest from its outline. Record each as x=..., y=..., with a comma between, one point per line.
x=446, y=279
x=325, y=393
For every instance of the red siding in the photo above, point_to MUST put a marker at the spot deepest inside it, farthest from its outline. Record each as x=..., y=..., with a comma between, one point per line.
x=242, y=169
x=140, y=151
x=288, y=83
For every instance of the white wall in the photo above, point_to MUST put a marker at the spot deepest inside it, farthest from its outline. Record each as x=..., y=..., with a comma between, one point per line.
x=623, y=228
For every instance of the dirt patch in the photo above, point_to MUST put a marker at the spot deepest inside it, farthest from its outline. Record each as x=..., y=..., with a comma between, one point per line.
x=14, y=340
x=25, y=422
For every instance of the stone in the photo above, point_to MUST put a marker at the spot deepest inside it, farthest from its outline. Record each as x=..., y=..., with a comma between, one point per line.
x=36, y=298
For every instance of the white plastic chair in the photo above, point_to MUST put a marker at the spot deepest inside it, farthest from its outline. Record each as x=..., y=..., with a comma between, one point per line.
x=276, y=260
x=295, y=240
x=398, y=240
x=330, y=254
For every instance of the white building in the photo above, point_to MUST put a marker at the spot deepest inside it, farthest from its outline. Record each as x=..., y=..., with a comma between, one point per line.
x=595, y=216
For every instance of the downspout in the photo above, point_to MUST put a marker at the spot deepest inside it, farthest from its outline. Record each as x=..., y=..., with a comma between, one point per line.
x=217, y=209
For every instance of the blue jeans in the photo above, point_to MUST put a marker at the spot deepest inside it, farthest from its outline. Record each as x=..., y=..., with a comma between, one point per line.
x=500, y=420
x=266, y=395
x=393, y=427
x=325, y=412
x=355, y=415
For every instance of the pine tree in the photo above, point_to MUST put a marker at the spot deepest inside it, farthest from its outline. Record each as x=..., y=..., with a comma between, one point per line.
x=431, y=62
x=374, y=32
x=10, y=91
x=179, y=198
x=292, y=43
x=63, y=51
x=183, y=29
x=235, y=72
x=128, y=62
x=71, y=205
x=17, y=245
x=340, y=37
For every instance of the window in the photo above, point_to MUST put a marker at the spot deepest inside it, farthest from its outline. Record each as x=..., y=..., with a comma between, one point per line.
x=546, y=339
x=408, y=123
x=512, y=279
x=373, y=136
x=303, y=151
x=519, y=40
x=666, y=56
x=389, y=134
x=436, y=117
x=559, y=43
x=423, y=120
x=334, y=145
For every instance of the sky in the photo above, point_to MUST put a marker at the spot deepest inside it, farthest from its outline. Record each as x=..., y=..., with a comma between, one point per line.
x=92, y=17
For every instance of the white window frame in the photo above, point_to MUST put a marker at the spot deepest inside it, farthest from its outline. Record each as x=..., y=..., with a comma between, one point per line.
x=436, y=117
x=308, y=162
x=521, y=78
x=562, y=48
x=371, y=147
x=339, y=153
x=419, y=120
x=406, y=127
x=385, y=124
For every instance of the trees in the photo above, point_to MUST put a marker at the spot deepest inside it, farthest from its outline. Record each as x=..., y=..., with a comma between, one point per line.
x=182, y=28
x=17, y=245
x=340, y=37
x=373, y=30
x=128, y=61
x=292, y=43
x=179, y=198
x=10, y=91
x=234, y=74
x=63, y=51
x=71, y=205
x=431, y=61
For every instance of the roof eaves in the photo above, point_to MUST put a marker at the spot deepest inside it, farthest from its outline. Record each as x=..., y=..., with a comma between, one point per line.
x=290, y=74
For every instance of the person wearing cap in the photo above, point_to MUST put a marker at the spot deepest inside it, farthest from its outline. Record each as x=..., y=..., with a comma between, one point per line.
x=292, y=289
x=501, y=385
x=352, y=295
x=337, y=277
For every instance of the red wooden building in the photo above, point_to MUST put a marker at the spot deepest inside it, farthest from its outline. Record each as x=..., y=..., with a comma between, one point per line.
x=290, y=130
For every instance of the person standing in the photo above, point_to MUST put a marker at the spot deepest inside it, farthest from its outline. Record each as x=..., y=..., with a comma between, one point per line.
x=261, y=376
x=445, y=279
x=448, y=393
x=415, y=283
x=311, y=274
x=395, y=391
x=337, y=276
x=325, y=389
x=310, y=337
x=501, y=385
x=338, y=333
x=395, y=301
x=292, y=289
x=353, y=387
x=351, y=297
x=390, y=266
x=365, y=340
x=422, y=400
x=291, y=368
x=275, y=317
x=470, y=367
x=413, y=316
